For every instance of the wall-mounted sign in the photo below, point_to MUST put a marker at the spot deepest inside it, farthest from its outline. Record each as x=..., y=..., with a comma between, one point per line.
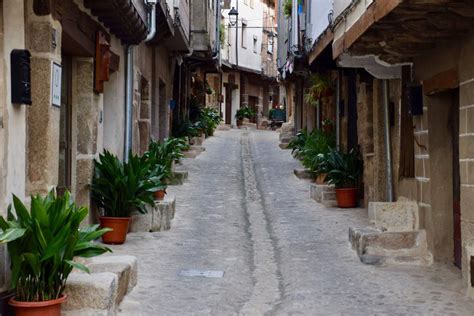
x=56, y=85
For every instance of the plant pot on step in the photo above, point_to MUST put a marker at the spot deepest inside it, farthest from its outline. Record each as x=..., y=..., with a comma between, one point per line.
x=120, y=229
x=45, y=308
x=160, y=195
x=321, y=179
x=346, y=198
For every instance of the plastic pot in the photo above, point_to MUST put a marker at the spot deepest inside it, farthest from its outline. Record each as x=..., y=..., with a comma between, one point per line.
x=46, y=308
x=119, y=226
x=346, y=198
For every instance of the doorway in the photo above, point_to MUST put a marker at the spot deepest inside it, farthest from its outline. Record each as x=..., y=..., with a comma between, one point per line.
x=228, y=105
x=65, y=128
x=454, y=119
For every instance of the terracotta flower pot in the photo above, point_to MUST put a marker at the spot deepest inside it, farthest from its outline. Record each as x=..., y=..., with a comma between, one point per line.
x=120, y=229
x=160, y=195
x=346, y=198
x=46, y=308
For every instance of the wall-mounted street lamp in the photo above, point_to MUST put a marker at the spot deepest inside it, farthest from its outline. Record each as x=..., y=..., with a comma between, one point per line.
x=234, y=21
x=233, y=16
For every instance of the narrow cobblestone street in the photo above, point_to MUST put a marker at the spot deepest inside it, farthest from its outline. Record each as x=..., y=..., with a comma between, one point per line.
x=243, y=212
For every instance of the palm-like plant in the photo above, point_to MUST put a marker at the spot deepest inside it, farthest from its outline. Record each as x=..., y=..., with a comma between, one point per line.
x=297, y=144
x=344, y=169
x=316, y=146
x=43, y=243
x=121, y=188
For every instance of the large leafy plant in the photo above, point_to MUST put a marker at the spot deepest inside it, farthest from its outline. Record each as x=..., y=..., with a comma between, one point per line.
x=43, y=243
x=344, y=169
x=162, y=154
x=244, y=112
x=297, y=144
x=209, y=119
x=120, y=188
x=320, y=86
x=317, y=145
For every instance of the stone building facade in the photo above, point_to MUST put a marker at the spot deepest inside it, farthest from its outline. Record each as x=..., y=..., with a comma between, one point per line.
x=416, y=85
x=54, y=142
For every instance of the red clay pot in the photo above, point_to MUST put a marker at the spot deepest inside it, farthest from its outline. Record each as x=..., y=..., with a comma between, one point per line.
x=120, y=229
x=346, y=198
x=160, y=195
x=46, y=308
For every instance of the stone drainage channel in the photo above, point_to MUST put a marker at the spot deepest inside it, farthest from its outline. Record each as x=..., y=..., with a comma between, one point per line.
x=266, y=285
x=265, y=292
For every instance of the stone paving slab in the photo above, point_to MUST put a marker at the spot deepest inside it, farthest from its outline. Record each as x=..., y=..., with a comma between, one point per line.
x=281, y=252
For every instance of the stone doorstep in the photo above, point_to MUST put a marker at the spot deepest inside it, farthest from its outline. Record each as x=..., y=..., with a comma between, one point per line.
x=221, y=127
x=197, y=148
x=100, y=292
x=284, y=146
x=178, y=177
x=190, y=154
x=376, y=247
x=158, y=217
x=324, y=194
x=397, y=216
x=303, y=174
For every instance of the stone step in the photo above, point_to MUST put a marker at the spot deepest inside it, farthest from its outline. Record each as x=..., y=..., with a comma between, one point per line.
x=284, y=145
x=304, y=174
x=324, y=194
x=222, y=127
x=158, y=217
x=190, y=154
x=197, y=141
x=394, y=216
x=178, y=177
x=376, y=247
x=198, y=148
x=286, y=139
x=100, y=292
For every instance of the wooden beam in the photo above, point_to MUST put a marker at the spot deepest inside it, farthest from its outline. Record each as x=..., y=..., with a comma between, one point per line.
x=443, y=81
x=375, y=12
x=320, y=45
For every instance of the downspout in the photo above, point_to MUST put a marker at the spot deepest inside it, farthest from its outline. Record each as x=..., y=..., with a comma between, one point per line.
x=338, y=110
x=388, y=145
x=129, y=79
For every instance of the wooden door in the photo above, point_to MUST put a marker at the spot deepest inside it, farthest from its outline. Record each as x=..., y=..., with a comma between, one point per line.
x=228, y=105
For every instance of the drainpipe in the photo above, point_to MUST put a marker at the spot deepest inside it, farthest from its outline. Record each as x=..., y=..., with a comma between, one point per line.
x=129, y=79
x=338, y=113
x=388, y=145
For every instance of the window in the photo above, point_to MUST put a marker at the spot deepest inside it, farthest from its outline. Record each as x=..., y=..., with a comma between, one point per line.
x=270, y=45
x=244, y=34
x=255, y=44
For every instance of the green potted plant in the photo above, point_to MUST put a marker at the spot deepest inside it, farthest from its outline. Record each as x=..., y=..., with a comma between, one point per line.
x=328, y=126
x=42, y=244
x=344, y=171
x=120, y=188
x=320, y=87
x=243, y=113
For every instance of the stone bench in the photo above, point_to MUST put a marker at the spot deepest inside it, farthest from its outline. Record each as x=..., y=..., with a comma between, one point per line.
x=158, y=217
x=101, y=291
x=324, y=194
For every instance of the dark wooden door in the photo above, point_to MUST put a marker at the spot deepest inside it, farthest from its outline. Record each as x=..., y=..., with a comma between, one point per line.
x=228, y=105
x=65, y=127
x=352, y=132
x=454, y=118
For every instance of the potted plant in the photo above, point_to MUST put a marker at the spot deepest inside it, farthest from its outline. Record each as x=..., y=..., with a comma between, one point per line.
x=344, y=171
x=243, y=113
x=42, y=244
x=120, y=188
x=317, y=145
x=321, y=87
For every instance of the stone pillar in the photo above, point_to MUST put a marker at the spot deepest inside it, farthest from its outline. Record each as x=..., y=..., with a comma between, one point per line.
x=144, y=122
x=43, y=118
x=85, y=128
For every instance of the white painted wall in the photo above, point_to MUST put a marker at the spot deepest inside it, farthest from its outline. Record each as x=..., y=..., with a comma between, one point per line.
x=253, y=17
x=317, y=17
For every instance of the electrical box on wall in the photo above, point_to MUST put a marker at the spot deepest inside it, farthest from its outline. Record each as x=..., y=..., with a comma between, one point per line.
x=415, y=99
x=20, y=76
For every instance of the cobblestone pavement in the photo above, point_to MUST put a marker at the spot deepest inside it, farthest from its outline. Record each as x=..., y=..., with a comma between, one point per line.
x=243, y=212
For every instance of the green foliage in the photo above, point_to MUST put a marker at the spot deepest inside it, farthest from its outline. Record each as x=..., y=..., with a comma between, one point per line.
x=297, y=144
x=209, y=119
x=288, y=7
x=222, y=33
x=317, y=145
x=320, y=86
x=120, y=188
x=162, y=154
x=43, y=243
x=245, y=112
x=344, y=169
